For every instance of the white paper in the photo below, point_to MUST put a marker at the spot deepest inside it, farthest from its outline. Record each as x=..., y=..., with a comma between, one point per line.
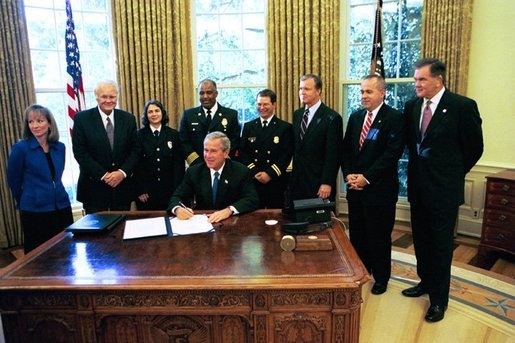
x=196, y=224
x=148, y=227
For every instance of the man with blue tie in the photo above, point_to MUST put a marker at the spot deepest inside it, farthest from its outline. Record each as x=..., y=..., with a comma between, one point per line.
x=219, y=184
x=444, y=140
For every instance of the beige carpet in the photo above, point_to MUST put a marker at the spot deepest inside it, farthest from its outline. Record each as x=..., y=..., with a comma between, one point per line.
x=481, y=308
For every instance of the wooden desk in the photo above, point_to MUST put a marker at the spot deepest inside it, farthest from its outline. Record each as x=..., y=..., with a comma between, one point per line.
x=233, y=285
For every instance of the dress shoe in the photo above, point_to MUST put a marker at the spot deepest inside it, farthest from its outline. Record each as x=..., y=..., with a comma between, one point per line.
x=435, y=313
x=379, y=288
x=414, y=292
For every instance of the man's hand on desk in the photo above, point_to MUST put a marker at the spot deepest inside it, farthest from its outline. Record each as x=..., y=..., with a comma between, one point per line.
x=184, y=213
x=218, y=216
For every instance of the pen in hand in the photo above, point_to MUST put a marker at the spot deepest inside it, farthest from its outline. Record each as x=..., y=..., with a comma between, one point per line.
x=188, y=213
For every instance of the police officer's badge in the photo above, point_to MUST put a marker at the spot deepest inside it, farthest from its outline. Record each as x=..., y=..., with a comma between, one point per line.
x=224, y=121
x=276, y=139
x=170, y=144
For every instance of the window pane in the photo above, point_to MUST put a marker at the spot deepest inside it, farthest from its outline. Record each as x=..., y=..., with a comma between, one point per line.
x=96, y=66
x=232, y=62
x=362, y=24
x=409, y=57
x=233, y=6
x=390, y=60
x=390, y=22
x=230, y=32
x=207, y=32
x=44, y=66
x=41, y=29
x=253, y=31
x=254, y=63
x=359, y=65
x=95, y=32
x=206, y=6
x=253, y=5
x=209, y=65
x=94, y=5
x=412, y=19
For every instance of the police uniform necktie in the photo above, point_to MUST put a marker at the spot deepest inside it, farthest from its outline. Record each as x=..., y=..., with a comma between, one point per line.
x=208, y=118
x=365, y=129
x=426, y=118
x=110, y=132
x=265, y=124
x=215, y=186
x=304, y=123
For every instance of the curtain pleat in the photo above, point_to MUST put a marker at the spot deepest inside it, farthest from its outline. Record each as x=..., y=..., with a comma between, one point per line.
x=303, y=37
x=446, y=31
x=154, y=54
x=16, y=93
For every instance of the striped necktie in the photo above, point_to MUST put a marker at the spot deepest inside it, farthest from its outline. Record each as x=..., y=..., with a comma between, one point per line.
x=365, y=129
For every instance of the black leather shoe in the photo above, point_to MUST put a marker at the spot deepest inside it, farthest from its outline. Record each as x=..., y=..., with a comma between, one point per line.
x=414, y=292
x=379, y=288
x=435, y=313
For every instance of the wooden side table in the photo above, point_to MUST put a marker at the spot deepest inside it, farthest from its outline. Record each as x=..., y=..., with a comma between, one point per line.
x=498, y=232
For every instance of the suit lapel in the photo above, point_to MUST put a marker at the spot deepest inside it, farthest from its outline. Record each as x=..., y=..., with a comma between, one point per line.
x=417, y=109
x=376, y=126
x=439, y=114
x=223, y=182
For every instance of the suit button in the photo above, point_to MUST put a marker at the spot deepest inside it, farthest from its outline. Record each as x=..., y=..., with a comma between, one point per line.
x=255, y=160
x=267, y=161
x=158, y=160
x=113, y=164
x=268, y=152
x=158, y=179
x=256, y=151
x=158, y=169
x=157, y=149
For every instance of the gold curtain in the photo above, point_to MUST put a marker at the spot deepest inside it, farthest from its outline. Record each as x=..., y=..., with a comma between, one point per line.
x=446, y=28
x=16, y=93
x=303, y=37
x=154, y=54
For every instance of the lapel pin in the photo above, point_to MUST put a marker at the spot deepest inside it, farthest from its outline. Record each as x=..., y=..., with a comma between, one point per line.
x=170, y=144
x=226, y=182
x=199, y=114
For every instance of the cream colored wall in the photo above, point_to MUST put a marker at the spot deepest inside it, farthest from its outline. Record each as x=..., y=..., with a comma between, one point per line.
x=492, y=78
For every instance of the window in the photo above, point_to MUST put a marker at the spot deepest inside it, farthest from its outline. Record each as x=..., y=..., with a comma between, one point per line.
x=402, y=26
x=231, y=50
x=46, y=24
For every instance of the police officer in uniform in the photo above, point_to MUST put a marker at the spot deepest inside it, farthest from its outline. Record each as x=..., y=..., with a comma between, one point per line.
x=161, y=167
x=197, y=122
x=266, y=148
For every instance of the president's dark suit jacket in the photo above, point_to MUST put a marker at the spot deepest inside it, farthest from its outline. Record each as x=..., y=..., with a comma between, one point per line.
x=93, y=153
x=452, y=145
x=316, y=158
x=234, y=188
x=161, y=167
x=193, y=129
x=377, y=160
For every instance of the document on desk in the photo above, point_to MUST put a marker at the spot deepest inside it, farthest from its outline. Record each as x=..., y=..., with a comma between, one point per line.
x=196, y=224
x=148, y=227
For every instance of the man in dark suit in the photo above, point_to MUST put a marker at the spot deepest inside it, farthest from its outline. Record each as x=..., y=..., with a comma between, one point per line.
x=220, y=184
x=318, y=136
x=266, y=148
x=197, y=122
x=444, y=141
x=104, y=145
x=373, y=143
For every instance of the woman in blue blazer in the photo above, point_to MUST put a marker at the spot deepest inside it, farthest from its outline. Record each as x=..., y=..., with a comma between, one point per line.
x=34, y=172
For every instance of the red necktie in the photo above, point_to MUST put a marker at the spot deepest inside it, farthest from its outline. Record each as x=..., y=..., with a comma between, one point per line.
x=364, y=130
x=426, y=118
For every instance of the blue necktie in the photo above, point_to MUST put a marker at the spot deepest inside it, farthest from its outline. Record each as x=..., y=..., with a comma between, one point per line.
x=215, y=186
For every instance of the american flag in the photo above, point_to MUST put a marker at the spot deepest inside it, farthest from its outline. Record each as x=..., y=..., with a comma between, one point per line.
x=74, y=87
x=376, y=63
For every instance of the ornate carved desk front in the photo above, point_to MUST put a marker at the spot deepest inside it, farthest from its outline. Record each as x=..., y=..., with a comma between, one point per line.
x=231, y=285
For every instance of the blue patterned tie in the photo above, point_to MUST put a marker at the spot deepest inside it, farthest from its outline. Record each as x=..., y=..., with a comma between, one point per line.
x=215, y=186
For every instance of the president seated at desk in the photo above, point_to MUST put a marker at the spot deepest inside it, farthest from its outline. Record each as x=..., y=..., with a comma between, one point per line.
x=218, y=184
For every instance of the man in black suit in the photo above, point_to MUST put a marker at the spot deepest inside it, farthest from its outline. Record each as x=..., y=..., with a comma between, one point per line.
x=104, y=145
x=373, y=143
x=197, y=122
x=220, y=184
x=266, y=148
x=318, y=136
x=445, y=141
